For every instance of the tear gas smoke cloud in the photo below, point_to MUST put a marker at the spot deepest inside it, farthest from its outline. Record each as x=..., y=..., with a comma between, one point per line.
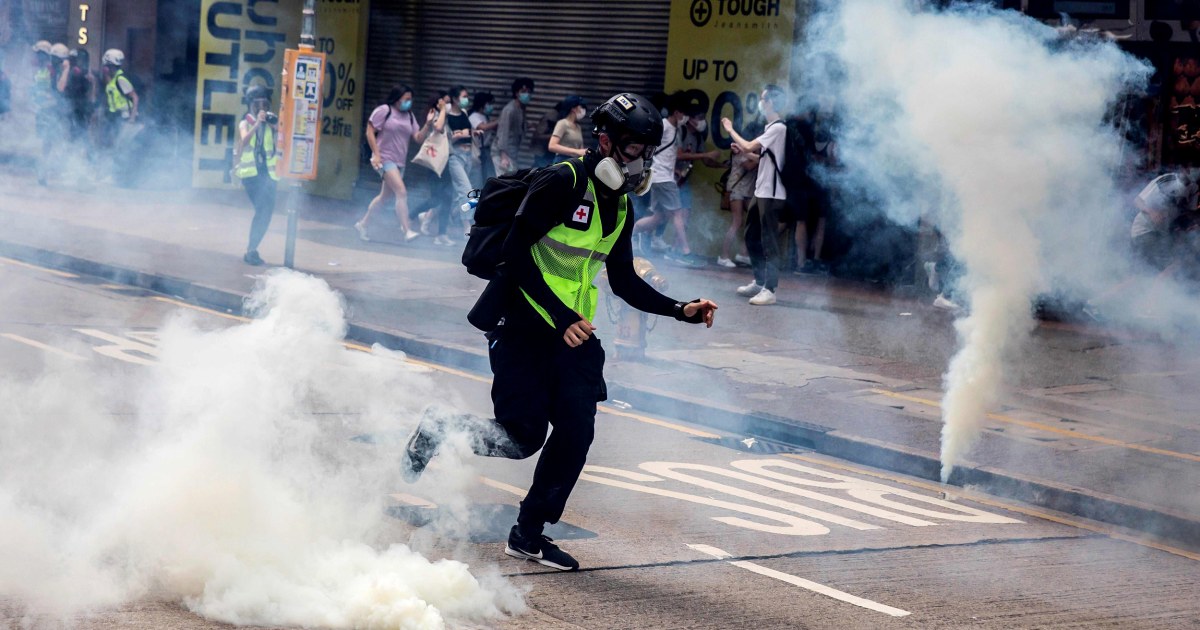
x=230, y=485
x=988, y=124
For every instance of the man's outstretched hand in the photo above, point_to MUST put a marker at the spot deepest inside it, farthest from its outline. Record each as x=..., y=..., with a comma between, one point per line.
x=701, y=310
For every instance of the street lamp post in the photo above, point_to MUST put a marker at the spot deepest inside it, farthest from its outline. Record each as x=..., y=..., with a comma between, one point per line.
x=308, y=40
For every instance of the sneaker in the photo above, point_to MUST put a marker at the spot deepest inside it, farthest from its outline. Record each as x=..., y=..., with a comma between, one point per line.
x=422, y=445
x=750, y=290
x=426, y=220
x=658, y=244
x=725, y=262
x=541, y=550
x=742, y=260
x=252, y=258
x=362, y=231
x=409, y=235
x=942, y=303
x=443, y=240
x=764, y=297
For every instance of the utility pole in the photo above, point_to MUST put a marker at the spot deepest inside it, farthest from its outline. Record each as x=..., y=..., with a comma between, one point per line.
x=303, y=73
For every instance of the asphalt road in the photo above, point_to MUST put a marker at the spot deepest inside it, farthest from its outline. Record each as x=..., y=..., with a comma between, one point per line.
x=677, y=526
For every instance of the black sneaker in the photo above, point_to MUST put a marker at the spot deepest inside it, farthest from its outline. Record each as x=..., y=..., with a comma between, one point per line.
x=252, y=258
x=422, y=446
x=541, y=550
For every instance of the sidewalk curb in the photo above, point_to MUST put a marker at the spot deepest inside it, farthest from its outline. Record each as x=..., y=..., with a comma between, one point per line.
x=1157, y=522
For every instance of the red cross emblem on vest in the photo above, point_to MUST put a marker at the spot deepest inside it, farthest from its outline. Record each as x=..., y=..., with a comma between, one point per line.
x=581, y=214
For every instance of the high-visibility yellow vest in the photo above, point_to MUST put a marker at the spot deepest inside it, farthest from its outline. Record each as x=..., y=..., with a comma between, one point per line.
x=570, y=258
x=42, y=94
x=118, y=103
x=247, y=166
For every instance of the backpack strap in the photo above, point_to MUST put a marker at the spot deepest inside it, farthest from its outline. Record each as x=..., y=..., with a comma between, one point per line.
x=664, y=146
x=580, y=183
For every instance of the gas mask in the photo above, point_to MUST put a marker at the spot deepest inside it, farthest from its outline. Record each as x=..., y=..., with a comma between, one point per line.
x=633, y=176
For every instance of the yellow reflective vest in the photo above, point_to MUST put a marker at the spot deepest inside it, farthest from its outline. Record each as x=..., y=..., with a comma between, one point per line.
x=571, y=258
x=247, y=166
x=118, y=103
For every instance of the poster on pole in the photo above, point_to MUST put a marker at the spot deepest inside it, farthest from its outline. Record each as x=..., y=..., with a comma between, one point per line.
x=342, y=36
x=300, y=114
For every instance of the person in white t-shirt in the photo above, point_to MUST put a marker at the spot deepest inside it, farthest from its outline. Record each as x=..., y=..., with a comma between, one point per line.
x=770, y=197
x=665, y=201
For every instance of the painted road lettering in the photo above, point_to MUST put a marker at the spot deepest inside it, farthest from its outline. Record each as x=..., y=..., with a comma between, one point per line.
x=870, y=496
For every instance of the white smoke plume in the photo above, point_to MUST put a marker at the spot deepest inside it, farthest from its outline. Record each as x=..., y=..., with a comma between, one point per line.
x=224, y=478
x=990, y=125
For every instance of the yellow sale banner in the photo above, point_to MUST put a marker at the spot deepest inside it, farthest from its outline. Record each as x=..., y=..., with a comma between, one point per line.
x=722, y=53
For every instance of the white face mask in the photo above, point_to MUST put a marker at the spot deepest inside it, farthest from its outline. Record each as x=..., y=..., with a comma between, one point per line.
x=683, y=120
x=700, y=126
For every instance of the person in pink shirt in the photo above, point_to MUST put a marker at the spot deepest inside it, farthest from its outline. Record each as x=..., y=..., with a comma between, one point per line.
x=389, y=130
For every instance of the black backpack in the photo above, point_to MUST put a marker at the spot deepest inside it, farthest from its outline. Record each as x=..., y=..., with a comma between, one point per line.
x=499, y=201
x=794, y=173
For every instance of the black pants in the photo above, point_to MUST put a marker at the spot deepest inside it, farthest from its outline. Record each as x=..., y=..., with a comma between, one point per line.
x=261, y=190
x=541, y=382
x=762, y=240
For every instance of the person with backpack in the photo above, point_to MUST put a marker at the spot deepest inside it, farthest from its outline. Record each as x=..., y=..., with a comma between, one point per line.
x=559, y=226
x=666, y=200
x=390, y=128
x=770, y=196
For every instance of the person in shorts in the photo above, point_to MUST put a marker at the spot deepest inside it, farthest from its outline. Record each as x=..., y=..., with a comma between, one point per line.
x=666, y=200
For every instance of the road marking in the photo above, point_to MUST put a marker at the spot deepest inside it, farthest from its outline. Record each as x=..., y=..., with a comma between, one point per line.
x=976, y=497
x=41, y=346
x=672, y=470
x=120, y=347
x=500, y=485
x=413, y=500
x=237, y=318
x=815, y=587
x=1049, y=429
x=659, y=423
x=790, y=525
x=53, y=272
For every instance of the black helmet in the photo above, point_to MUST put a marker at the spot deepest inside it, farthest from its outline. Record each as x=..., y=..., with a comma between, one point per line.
x=255, y=92
x=629, y=118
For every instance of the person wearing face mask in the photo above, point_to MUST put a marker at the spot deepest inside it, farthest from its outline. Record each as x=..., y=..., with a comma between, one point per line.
x=666, y=203
x=566, y=141
x=546, y=358
x=482, y=109
x=390, y=129
x=770, y=197
x=462, y=169
x=511, y=130
x=255, y=155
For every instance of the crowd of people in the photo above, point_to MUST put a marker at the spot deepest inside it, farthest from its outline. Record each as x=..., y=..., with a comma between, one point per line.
x=80, y=113
x=482, y=142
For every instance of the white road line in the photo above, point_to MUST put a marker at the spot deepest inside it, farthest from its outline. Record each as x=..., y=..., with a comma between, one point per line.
x=41, y=346
x=801, y=582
